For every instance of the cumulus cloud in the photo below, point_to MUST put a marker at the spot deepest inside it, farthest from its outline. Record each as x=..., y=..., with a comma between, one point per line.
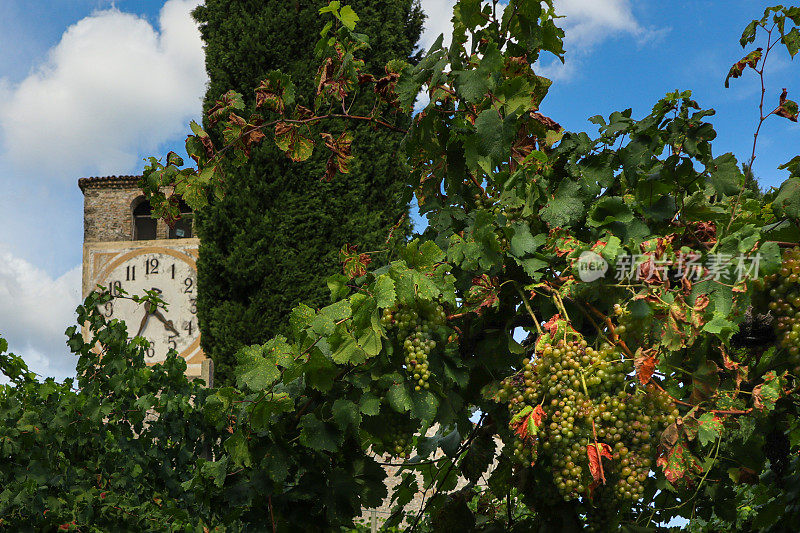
x=112, y=88
x=439, y=16
x=35, y=309
x=587, y=23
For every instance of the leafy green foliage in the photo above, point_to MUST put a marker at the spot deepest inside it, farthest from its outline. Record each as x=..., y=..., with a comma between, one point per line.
x=651, y=374
x=270, y=233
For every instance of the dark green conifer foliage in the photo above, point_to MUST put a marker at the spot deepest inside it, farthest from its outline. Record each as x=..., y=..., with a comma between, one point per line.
x=273, y=238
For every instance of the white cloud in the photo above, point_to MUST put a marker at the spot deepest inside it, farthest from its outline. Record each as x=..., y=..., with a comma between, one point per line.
x=35, y=309
x=439, y=21
x=587, y=23
x=113, y=88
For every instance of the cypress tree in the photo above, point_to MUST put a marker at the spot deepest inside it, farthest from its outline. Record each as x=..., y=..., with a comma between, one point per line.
x=273, y=239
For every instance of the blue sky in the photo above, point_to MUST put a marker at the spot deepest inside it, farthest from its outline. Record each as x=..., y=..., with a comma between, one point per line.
x=90, y=87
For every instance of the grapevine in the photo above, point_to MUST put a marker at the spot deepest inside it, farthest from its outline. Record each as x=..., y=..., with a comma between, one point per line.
x=780, y=294
x=416, y=333
x=586, y=400
x=393, y=435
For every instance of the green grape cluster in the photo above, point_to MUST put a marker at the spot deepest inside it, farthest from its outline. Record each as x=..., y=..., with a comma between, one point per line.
x=416, y=332
x=484, y=201
x=782, y=292
x=630, y=330
x=586, y=395
x=394, y=437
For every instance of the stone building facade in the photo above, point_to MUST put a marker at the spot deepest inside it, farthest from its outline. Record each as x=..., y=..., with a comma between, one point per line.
x=108, y=204
x=120, y=233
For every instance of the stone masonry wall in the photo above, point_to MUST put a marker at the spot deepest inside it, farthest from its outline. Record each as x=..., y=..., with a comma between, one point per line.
x=108, y=214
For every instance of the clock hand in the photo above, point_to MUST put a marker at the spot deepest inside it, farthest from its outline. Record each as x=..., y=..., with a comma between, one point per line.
x=167, y=323
x=144, y=320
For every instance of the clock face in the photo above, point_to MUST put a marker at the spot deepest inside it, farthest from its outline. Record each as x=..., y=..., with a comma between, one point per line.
x=174, y=277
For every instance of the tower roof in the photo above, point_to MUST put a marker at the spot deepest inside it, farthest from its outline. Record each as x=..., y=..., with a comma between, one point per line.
x=102, y=182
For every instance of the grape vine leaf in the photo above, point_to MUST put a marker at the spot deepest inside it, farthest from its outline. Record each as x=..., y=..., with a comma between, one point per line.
x=318, y=435
x=677, y=462
x=645, y=362
x=725, y=175
x=237, y=448
x=348, y=17
x=609, y=210
x=275, y=92
x=399, y=398
x=346, y=414
x=566, y=207
x=257, y=368
x=786, y=108
x=370, y=405
x=787, y=201
x=709, y=428
x=766, y=394
x=424, y=406
x=289, y=139
x=474, y=83
x=383, y=291
x=492, y=140
x=750, y=60
x=595, y=454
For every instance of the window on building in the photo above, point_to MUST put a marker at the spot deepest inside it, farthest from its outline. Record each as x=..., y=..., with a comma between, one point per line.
x=144, y=225
x=183, y=227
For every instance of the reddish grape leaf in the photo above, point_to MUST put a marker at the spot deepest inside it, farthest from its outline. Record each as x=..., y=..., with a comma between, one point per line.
x=709, y=428
x=538, y=415
x=767, y=393
x=527, y=422
x=689, y=425
x=339, y=160
x=199, y=144
x=551, y=326
x=354, y=264
x=670, y=436
x=649, y=271
x=705, y=381
x=750, y=60
x=645, y=363
x=677, y=462
x=483, y=293
x=787, y=108
x=224, y=106
x=241, y=133
x=290, y=140
x=595, y=453
x=563, y=242
x=730, y=364
x=547, y=122
x=385, y=86
x=705, y=232
x=275, y=92
x=519, y=422
x=700, y=303
x=332, y=76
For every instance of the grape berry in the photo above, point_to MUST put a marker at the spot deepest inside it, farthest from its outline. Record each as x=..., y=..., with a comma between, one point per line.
x=585, y=394
x=416, y=332
x=781, y=294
